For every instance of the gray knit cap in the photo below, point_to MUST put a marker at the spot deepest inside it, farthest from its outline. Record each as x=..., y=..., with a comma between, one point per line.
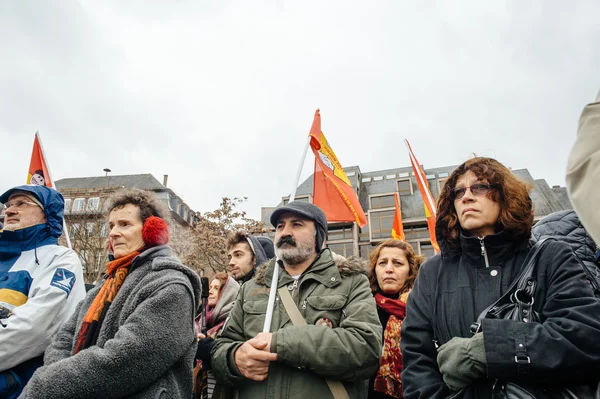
x=308, y=211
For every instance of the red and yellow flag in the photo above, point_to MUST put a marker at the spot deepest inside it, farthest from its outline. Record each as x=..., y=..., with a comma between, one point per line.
x=333, y=192
x=397, y=228
x=428, y=201
x=38, y=168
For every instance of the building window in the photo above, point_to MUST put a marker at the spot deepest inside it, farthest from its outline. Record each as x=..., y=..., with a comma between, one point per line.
x=89, y=228
x=67, y=206
x=365, y=179
x=93, y=204
x=378, y=178
x=350, y=174
x=103, y=230
x=365, y=250
x=380, y=223
x=303, y=198
x=342, y=248
x=341, y=233
x=441, y=183
x=404, y=174
x=426, y=249
x=78, y=205
x=414, y=233
x=405, y=187
x=392, y=176
x=380, y=201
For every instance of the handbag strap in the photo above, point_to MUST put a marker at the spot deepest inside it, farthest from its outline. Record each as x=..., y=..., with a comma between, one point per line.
x=524, y=283
x=337, y=388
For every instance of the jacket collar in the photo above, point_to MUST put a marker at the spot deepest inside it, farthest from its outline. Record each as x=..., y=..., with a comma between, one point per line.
x=13, y=243
x=498, y=247
x=322, y=270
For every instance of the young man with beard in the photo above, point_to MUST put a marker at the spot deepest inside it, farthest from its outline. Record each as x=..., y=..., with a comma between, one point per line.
x=245, y=253
x=342, y=338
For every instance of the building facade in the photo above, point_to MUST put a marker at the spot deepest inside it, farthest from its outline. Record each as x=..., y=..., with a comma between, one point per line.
x=376, y=190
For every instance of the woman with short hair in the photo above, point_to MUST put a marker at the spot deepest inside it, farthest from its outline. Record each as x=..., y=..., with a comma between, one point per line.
x=393, y=269
x=484, y=222
x=133, y=334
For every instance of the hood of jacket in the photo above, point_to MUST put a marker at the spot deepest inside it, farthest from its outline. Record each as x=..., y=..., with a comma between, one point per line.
x=263, y=249
x=344, y=266
x=13, y=243
x=567, y=226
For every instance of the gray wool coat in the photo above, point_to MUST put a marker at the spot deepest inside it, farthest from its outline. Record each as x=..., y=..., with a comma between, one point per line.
x=146, y=344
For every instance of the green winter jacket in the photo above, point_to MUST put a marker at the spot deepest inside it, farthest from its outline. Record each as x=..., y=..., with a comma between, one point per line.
x=329, y=292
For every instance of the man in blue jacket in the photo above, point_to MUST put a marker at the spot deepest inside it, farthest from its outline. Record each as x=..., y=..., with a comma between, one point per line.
x=41, y=282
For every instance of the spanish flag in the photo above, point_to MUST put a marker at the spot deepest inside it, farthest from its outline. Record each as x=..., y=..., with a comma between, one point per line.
x=38, y=168
x=428, y=201
x=333, y=192
x=397, y=228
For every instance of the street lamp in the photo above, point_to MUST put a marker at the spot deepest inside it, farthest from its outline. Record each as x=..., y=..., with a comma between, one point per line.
x=106, y=170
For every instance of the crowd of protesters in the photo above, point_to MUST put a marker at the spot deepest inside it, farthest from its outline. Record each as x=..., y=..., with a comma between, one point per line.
x=505, y=310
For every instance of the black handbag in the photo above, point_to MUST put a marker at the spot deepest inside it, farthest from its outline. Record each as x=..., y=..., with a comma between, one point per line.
x=517, y=304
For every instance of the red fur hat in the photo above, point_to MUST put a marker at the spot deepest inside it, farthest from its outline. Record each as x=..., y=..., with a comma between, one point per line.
x=155, y=232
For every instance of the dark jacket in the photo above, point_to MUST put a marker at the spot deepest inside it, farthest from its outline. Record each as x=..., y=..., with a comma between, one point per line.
x=566, y=226
x=451, y=290
x=145, y=345
x=348, y=351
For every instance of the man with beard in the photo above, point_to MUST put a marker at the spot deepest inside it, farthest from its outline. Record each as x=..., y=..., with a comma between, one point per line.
x=341, y=341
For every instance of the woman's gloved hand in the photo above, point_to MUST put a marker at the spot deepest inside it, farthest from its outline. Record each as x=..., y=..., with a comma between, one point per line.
x=462, y=361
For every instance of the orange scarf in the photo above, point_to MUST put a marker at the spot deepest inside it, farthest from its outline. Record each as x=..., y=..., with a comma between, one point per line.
x=117, y=270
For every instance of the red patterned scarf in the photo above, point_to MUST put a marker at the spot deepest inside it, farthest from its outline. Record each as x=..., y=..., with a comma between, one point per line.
x=387, y=380
x=117, y=270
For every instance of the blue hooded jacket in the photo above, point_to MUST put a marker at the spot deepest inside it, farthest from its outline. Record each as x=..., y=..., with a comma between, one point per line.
x=12, y=243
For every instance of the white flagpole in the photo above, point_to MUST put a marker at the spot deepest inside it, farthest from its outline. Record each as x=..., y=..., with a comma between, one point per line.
x=66, y=231
x=275, y=279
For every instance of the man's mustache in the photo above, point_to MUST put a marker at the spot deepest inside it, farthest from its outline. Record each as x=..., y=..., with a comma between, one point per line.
x=286, y=240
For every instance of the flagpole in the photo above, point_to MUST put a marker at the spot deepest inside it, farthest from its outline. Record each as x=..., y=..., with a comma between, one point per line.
x=37, y=134
x=275, y=279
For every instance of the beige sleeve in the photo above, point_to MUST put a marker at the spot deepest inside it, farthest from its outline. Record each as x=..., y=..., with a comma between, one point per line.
x=583, y=170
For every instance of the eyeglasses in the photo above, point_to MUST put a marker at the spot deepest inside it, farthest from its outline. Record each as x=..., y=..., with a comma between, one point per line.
x=19, y=204
x=478, y=189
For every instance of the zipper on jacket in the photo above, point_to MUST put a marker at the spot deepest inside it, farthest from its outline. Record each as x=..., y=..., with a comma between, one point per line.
x=293, y=287
x=484, y=252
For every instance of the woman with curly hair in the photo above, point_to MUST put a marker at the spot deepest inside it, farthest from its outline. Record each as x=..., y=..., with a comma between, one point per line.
x=392, y=272
x=484, y=225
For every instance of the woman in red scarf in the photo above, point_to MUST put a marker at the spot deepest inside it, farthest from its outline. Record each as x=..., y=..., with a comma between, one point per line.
x=392, y=272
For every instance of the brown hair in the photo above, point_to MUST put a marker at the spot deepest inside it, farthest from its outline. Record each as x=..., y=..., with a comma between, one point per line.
x=238, y=237
x=146, y=202
x=222, y=277
x=510, y=192
x=414, y=262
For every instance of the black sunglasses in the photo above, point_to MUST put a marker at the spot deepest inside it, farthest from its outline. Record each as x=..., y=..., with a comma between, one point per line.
x=478, y=189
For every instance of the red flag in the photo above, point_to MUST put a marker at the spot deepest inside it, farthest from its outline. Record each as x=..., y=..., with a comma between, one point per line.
x=333, y=192
x=397, y=228
x=428, y=201
x=38, y=168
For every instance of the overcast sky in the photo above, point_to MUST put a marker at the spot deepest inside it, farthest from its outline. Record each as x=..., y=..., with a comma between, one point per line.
x=220, y=95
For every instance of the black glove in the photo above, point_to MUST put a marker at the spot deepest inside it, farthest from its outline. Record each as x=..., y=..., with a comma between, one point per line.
x=203, y=352
x=462, y=361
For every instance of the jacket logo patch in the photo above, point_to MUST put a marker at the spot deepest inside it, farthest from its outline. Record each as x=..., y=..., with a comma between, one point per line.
x=324, y=322
x=63, y=279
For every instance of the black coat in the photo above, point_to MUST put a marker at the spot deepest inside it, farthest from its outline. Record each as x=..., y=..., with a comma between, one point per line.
x=566, y=226
x=563, y=347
